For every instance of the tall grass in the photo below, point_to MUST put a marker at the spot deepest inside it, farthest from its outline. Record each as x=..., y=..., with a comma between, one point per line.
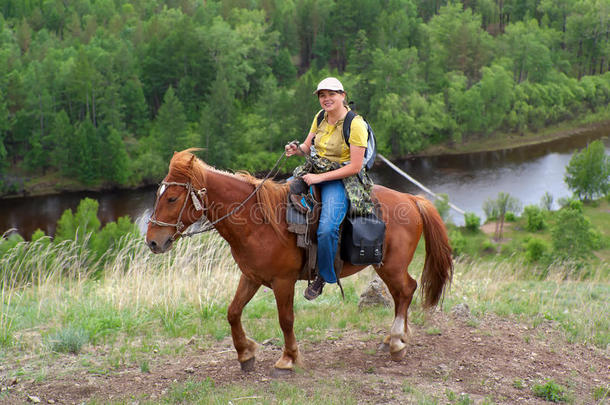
x=47, y=288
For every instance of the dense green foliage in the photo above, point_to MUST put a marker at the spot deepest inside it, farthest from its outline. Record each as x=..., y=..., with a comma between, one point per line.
x=535, y=218
x=573, y=234
x=103, y=91
x=576, y=236
x=588, y=173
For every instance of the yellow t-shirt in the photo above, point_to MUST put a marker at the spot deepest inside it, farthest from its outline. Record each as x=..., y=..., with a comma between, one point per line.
x=329, y=141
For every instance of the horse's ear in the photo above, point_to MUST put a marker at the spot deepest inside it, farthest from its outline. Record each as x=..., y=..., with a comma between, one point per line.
x=191, y=161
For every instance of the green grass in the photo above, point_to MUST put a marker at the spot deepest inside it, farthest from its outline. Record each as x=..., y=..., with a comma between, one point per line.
x=147, y=305
x=68, y=340
x=207, y=392
x=190, y=299
x=601, y=394
x=551, y=391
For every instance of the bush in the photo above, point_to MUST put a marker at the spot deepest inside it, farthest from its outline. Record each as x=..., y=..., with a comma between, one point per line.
x=535, y=218
x=510, y=217
x=573, y=235
x=110, y=239
x=7, y=242
x=488, y=246
x=77, y=226
x=535, y=250
x=458, y=242
x=472, y=221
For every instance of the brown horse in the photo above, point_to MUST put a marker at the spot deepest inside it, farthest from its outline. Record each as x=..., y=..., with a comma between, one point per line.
x=267, y=253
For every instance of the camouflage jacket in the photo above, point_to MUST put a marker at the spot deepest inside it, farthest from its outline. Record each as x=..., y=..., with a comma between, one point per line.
x=358, y=187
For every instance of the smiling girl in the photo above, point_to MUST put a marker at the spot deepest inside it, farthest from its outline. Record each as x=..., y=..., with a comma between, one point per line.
x=337, y=161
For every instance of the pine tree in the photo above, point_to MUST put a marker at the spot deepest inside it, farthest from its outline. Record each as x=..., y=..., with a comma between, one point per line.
x=170, y=127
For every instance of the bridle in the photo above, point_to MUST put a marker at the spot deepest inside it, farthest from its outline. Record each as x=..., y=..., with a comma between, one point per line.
x=197, y=197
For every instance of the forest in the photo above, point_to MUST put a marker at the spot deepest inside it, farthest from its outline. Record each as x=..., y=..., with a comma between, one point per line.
x=101, y=92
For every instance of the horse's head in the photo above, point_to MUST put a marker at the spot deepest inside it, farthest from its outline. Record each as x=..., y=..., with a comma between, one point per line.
x=179, y=202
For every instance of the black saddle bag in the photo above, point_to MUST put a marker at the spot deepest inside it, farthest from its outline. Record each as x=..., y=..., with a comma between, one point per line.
x=362, y=240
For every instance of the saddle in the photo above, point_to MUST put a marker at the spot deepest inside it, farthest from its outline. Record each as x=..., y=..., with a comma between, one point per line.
x=361, y=237
x=302, y=215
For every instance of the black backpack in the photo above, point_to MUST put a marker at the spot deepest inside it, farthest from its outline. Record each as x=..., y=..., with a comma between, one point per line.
x=371, y=147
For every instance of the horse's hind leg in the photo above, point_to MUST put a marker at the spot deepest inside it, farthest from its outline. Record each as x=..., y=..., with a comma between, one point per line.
x=246, y=348
x=402, y=287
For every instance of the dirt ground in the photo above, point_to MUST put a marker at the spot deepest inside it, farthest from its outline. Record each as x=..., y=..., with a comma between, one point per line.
x=490, y=359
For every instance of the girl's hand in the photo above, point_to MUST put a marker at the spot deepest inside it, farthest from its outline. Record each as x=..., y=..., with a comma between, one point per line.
x=291, y=149
x=311, y=178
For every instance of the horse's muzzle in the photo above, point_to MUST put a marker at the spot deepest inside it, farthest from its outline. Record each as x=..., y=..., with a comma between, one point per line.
x=160, y=246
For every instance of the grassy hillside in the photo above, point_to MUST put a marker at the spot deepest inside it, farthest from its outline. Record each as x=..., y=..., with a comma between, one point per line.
x=148, y=316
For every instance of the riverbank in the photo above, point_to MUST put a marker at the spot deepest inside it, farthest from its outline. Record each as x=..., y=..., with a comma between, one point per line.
x=503, y=141
x=53, y=183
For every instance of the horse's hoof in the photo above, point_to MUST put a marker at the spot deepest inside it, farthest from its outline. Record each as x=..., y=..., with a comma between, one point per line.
x=248, y=365
x=399, y=355
x=383, y=348
x=281, y=372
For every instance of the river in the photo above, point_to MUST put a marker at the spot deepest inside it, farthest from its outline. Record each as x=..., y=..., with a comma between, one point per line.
x=469, y=179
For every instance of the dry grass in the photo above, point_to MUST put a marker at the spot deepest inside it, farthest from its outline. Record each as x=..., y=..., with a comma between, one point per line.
x=200, y=274
x=198, y=271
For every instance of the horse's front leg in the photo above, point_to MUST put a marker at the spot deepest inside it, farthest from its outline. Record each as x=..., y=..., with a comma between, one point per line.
x=246, y=348
x=284, y=297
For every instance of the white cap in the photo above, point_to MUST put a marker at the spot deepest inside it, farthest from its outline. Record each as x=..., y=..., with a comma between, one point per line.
x=330, y=83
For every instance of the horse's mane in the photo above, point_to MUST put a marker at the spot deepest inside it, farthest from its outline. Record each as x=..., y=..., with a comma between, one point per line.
x=271, y=196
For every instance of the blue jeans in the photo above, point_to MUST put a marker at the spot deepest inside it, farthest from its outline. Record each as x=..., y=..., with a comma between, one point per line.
x=334, y=208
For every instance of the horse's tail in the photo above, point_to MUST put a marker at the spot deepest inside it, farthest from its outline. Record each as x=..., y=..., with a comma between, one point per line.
x=438, y=267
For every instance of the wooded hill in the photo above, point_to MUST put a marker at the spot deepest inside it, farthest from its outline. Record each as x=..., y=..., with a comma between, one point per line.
x=103, y=91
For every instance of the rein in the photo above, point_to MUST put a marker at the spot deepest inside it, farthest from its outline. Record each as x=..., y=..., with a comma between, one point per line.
x=197, y=198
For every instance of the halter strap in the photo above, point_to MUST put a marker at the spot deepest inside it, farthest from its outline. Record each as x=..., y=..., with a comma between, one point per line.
x=196, y=196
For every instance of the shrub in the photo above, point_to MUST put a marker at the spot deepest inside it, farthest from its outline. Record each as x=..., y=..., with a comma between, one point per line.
x=77, y=226
x=535, y=218
x=472, y=221
x=536, y=249
x=573, y=235
x=488, y=246
x=110, y=239
x=510, y=217
x=7, y=242
x=458, y=242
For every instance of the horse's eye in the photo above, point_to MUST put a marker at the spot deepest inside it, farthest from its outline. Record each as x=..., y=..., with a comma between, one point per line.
x=172, y=199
